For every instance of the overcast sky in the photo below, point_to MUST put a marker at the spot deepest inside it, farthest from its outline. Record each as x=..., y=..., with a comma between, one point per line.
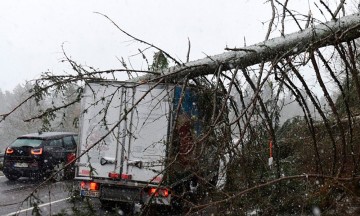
x=32, y=32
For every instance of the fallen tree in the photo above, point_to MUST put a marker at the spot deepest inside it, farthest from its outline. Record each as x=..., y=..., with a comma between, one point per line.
x=334, y=32
x=324, y=149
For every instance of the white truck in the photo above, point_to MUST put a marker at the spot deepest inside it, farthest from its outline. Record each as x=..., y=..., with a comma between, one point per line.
x=144, y=143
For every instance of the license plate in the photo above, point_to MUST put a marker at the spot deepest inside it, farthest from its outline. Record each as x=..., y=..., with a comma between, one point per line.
x=90, y=193
x=21, y=165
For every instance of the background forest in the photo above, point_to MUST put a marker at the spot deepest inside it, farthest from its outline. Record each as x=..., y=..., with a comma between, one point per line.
x=25, y=118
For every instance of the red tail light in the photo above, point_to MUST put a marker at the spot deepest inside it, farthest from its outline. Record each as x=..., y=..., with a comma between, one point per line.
x=37, y=151
x=9, y=151
x=152, y=191
x=71, y=157
x=83, y=185
x=90, y=185
x=94, y=186
x=163, y=192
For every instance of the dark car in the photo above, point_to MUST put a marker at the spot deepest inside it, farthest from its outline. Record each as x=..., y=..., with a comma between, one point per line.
x=40, y=155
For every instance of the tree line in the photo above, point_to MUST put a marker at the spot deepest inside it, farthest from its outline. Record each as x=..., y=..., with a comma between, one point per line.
x=19, y=120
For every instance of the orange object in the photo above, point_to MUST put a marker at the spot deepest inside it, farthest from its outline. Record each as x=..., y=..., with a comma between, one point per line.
x=94, y=186
x=271, y=146
x=152, y=191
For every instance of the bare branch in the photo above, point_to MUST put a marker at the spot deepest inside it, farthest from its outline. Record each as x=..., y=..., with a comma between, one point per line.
x=168, y=55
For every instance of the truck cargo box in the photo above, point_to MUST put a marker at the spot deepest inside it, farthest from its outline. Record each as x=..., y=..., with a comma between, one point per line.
x=139, y=141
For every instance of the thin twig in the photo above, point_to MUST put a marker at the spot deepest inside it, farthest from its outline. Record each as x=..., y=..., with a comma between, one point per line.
x=141, y=41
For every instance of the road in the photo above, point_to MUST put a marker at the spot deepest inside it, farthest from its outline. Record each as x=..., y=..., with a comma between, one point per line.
x=54, y=198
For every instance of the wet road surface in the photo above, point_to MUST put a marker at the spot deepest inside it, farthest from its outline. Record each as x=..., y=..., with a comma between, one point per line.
x=19, y=197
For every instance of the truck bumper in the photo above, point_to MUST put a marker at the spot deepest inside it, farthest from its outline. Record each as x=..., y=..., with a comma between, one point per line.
x=121, y=193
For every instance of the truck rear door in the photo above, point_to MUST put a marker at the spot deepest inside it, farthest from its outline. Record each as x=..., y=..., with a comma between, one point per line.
x=144, y=159
x=133, y=146
x=102, y=128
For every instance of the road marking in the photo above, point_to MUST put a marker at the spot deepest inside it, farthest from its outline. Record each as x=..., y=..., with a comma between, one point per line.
x=42, y=205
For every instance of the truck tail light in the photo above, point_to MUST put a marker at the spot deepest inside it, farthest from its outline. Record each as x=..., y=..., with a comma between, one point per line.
x=9, y=150
x=163, y=192
x=83, y=185
x=38, y=151
x=94, y=186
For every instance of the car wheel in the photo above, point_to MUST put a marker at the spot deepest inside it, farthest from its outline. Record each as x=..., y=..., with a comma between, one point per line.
x=12, y=177
x=58, y=172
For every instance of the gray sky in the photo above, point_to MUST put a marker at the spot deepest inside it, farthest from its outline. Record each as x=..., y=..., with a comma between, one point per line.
x=33, y=32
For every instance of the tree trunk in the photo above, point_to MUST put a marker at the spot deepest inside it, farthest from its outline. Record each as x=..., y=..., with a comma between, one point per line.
x=334, y=32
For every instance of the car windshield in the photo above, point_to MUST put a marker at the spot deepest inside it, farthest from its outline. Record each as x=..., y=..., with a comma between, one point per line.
x=26, y=142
